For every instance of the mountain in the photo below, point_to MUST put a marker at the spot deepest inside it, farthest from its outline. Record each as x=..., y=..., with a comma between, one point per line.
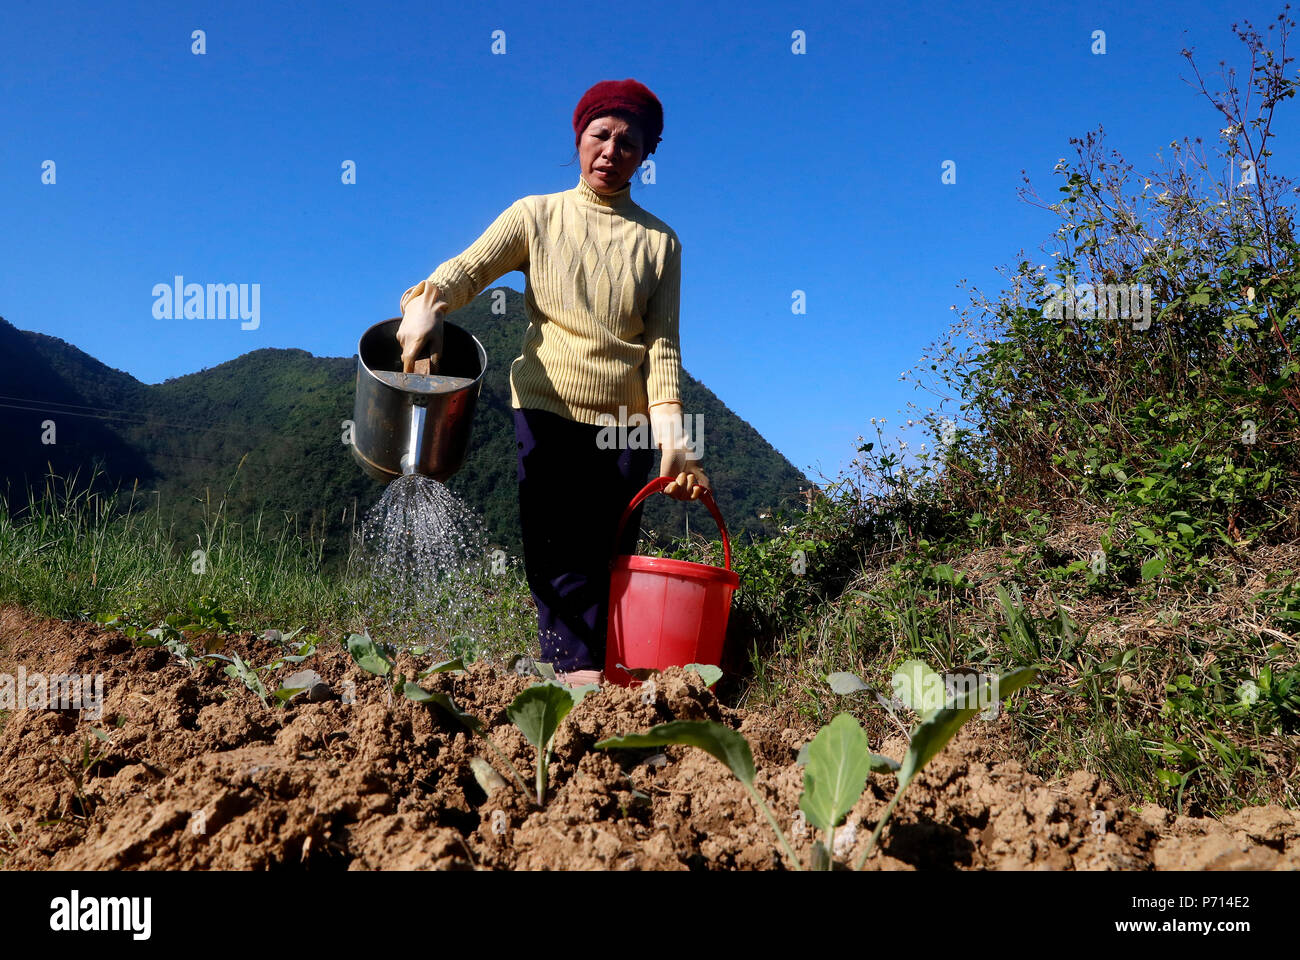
x=265, y=430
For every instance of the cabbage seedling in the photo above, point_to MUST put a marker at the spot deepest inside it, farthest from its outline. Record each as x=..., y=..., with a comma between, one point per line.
x=538, y=712
x=837, y=761
x=937, y=727
x=368, y=655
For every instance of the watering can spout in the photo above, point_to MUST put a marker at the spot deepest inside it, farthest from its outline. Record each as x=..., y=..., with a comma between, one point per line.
x=415, y=439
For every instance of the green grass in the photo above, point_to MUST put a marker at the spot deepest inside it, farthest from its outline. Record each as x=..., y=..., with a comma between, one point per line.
x=74, y=554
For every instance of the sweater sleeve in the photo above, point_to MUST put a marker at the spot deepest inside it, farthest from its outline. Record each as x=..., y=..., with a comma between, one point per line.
x=502, y=247
x=663, y=362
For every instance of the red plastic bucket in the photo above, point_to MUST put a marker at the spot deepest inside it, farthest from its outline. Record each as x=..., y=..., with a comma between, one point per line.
x=664, y=612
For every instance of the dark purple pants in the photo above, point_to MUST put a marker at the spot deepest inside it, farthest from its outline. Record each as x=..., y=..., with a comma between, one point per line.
x=571, y=495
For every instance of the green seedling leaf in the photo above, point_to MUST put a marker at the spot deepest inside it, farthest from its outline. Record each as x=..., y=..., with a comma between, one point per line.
x=418, y=694
x=939, y=726
x=368, y=656
x=845, y=683
x=918, y=686
x=306, y=650
x=537, y=711
x=239, y=670
x=838, y=765
x=708, y=671
x=880, y=764
x=447, y=666
x=300, y=682
x=713, y=738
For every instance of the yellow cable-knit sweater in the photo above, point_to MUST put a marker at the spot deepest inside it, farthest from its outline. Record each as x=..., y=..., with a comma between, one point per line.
x=602, y=296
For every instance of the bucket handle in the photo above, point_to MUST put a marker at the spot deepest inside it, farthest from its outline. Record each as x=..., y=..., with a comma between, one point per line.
x=706, y=498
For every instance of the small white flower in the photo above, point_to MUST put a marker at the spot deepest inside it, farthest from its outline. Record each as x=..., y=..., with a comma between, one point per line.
x=1187, y=464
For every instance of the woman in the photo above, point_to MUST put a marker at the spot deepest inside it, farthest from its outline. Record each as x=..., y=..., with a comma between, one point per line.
x=603, y=284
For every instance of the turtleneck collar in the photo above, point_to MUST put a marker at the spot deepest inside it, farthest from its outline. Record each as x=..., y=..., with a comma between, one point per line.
x=621, y=198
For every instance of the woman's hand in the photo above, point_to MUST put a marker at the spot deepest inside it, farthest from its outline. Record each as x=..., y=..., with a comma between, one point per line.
x=689, y=480
x=420, y=333
x=689, y=484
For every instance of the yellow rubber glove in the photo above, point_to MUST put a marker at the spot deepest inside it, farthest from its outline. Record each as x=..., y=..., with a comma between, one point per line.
x=677, y=461
x=420, y=333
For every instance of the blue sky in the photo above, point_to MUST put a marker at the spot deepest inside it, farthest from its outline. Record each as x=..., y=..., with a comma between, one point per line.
x=818, y=172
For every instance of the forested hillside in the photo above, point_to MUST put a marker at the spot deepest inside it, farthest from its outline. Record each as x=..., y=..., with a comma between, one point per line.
x=265, y=431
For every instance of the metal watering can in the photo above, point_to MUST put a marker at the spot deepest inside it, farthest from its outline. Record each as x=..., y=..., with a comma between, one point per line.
x=406, y=423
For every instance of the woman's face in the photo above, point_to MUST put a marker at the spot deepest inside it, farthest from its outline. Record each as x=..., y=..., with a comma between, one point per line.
x=610, y=151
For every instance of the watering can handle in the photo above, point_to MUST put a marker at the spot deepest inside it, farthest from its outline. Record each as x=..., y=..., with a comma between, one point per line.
x=706, y=498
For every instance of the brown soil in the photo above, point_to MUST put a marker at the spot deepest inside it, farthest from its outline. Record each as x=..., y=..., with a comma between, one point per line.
x=199, y=774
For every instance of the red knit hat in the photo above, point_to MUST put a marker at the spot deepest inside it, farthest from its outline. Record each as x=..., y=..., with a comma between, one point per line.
x=626, y=96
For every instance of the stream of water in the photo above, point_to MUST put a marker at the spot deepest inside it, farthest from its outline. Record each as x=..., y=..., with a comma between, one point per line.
x=424, y=550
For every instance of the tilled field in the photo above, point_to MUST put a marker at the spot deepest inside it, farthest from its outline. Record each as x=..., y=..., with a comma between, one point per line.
x=197, y=774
